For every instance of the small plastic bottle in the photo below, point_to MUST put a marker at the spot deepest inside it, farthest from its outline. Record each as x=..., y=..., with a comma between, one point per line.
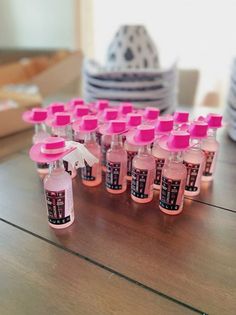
x=37, y=117
x=143, y=164
x=61, y=127
x=79, y=112
x=150, y=115
x=194, y=158
x=163, y=128
x=116, y=159
x=109, y=114
x=133, y=120
x=210, y=146
x=180, y=117
x=91, y=175
x=174, y=173
x=58, y=183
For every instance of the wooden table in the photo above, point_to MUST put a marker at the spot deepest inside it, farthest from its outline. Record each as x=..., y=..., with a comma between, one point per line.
x=118, y=257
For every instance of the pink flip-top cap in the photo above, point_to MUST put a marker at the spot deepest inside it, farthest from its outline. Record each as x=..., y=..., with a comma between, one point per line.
x=114, y=127
x=56, y=108
x=61, y=119
x=198, y=129
x=88, y=123
x=176, y=141
x=81, y=110
x=126, y=108
x=181, y=117
x=134, y=120
x=102, y=104
x=151, y=113
x=164, y=124
x=214, y=120
x=110, y=114
x=143, y=135
x=34, y=116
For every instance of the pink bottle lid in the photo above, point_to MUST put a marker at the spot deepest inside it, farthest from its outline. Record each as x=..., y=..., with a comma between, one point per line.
x=214, y=120
x=101, y=105
x=181, y=117
x=126, y=108
x=176, y=141
x=88, y=123
x=143, y=135
x=113, y=127
x=164, y=124
x=34, y=116
x=133, y=120
x=61, y=119
x=80, y=111
x=198, y=129
x=151, y=113
x=110, y=114
x=51, y=149
x=76, y=101
x=56, y=108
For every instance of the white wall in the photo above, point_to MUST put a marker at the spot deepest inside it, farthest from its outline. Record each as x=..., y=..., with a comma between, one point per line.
x=37, y=23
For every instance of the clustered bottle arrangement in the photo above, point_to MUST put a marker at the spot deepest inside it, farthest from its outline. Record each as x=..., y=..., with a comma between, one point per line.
x=138, y=151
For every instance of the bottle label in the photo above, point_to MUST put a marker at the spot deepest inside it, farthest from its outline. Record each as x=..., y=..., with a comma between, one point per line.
x=159, y=165
x=130, y=156
x=104, y=148
x=113, y=175
x=169, y=193
x=98, y=137
x=86, y=172
x=67, y=167
x=56, y=207
x=42, y=166
x=209, y=160
x=138, y=183
x=192, y=173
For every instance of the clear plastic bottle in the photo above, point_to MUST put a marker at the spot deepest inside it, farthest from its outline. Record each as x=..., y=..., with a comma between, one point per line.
x=39, y=135
x=116, y=167
x=59, y=196
x=173, y=184
x=92, y=175
x=143, y=176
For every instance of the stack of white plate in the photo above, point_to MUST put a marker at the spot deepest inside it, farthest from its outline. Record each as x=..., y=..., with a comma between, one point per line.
x=231, y=104
x=131, y=73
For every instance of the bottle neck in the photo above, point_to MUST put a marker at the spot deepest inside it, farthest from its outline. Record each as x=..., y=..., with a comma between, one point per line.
x=144, y=150
x=56, y=166
x=39, y=128
x=176, y=157
x=90, y=137
x=63, y=131
x=196, y=143
x=116, y=142
x=212, y=133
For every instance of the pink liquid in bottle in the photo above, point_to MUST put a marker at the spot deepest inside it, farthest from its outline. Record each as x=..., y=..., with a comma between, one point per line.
x=194, y=160
x=105, y=146
x=116, y=167
x=210, y=147
x=66, y=133
x=143, y=176
x=132, y=151
x=59, y=196
x=161, y=156
x=39, y=136
x=92, y=175
x=173, y=184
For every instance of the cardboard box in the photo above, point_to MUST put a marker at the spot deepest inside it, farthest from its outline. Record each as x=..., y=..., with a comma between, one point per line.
x=49, y=74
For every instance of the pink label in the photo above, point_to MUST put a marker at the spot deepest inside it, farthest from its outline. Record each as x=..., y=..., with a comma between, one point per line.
x=169, y=193
x=113, y=175
x=57, y=213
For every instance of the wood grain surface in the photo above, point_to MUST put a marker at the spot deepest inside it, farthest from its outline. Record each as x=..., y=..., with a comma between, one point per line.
x=38, y=278
x=190, y=257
